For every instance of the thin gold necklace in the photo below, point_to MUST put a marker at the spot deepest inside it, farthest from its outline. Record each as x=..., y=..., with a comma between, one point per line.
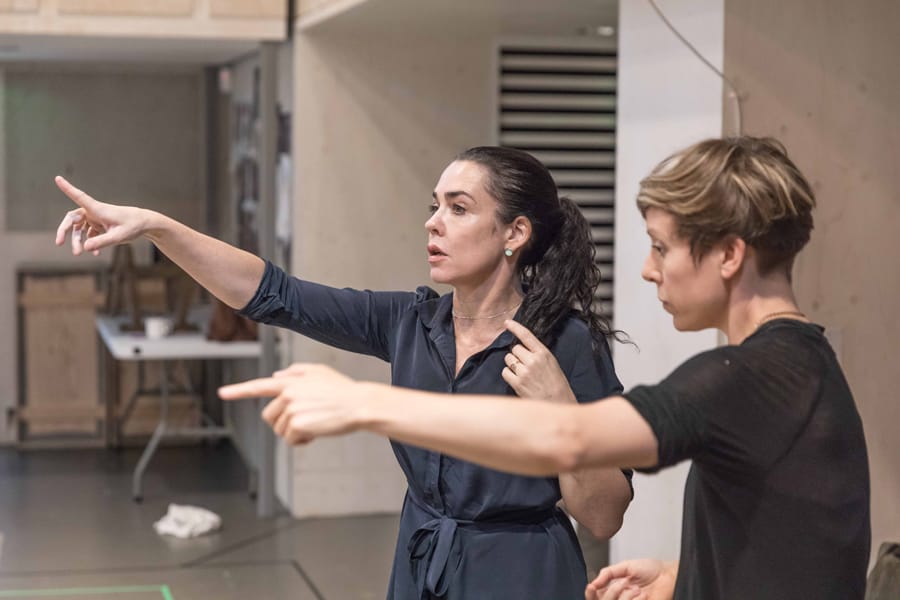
x=780, y=313
x=502, y=312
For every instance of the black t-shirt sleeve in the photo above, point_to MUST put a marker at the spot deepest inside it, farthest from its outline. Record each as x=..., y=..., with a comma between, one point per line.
x=356, y=320
x=726, y=409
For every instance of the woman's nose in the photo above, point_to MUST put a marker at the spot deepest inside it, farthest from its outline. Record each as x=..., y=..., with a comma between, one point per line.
x=432, y=224
x=649, y=271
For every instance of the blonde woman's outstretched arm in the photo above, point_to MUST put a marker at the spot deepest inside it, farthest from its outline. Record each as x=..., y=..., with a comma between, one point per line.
x=530, y=437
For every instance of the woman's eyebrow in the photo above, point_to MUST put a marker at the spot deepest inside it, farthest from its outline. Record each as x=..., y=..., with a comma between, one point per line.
x=455, y=194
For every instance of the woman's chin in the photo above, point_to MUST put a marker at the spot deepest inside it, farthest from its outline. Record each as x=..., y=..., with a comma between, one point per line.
x=437, y=276
x=678, y=321
x=682, y=324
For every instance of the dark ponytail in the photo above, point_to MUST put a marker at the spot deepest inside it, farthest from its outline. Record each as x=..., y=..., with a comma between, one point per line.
x=557, y=265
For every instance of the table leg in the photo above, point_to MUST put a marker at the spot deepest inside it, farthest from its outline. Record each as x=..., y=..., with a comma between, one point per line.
x=132, y=401
x=106, y=395
x=158, y=433
x=252, y=482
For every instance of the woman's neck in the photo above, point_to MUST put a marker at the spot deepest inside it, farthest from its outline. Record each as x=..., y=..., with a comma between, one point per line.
x=483, y=301
x=766, y=303
x=478, y=317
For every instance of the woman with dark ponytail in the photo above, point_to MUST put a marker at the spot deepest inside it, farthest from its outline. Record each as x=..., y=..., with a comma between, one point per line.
x=510, y=248
x=557, y=265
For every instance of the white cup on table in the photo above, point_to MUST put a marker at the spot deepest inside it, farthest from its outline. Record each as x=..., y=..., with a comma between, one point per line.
x=157, y=327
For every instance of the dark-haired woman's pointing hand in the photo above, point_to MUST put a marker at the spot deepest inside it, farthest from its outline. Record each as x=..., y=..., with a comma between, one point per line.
x=531, y=369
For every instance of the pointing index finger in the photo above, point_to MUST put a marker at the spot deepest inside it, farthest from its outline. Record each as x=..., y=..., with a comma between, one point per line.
x=525, y=336
x=264, y=387
x=76, y=195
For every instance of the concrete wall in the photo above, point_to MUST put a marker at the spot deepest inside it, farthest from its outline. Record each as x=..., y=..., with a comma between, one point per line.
x=667, y=99
x=376, y=121
x=130, y=135
x=823, y=77
x=185, y=195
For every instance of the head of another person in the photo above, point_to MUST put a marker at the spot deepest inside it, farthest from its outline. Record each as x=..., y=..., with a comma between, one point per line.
x=496, y=209
x=719, y=210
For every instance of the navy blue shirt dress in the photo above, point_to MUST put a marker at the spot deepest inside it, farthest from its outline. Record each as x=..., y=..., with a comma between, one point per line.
x=466, y=532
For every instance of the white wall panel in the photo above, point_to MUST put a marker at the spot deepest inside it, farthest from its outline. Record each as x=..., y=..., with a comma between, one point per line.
x=667, y=100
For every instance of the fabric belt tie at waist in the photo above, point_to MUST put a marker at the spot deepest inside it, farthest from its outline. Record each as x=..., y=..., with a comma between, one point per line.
x=431, y=545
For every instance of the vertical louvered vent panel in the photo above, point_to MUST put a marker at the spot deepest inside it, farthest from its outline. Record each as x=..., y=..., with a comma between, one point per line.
x=560, y=105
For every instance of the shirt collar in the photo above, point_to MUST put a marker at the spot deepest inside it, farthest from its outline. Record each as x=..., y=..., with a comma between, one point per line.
x=436, y=316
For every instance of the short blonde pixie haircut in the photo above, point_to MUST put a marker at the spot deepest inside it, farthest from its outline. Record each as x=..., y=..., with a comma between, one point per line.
x=741, y=186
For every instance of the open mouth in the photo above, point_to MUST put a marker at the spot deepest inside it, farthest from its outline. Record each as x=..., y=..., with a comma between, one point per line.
x=434, y=251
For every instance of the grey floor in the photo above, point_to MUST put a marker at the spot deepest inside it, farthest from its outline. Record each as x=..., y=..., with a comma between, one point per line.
x=69, y=530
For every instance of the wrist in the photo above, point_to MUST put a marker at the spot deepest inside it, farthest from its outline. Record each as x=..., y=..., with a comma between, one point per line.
x=366, y=414
x=670, y=573
x=153, y=225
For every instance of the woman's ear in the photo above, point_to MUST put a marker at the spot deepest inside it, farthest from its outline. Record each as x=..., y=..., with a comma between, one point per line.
x=518, y=233
x=734, y=253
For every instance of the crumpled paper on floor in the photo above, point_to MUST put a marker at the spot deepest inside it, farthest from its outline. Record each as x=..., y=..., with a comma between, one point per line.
x=183, y=521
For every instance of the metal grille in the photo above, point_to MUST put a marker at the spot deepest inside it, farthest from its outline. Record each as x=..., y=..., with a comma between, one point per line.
x=559, y=104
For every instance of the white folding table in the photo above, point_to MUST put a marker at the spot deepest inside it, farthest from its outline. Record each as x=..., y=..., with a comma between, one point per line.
x=134, y=346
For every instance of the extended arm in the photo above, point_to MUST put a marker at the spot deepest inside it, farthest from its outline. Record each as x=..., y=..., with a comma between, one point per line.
x=523, y=436
x=530, y=437
x=229, y=273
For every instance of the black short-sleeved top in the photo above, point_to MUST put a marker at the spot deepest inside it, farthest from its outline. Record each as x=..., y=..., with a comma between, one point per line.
x=466, y=531
x=776, y=504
